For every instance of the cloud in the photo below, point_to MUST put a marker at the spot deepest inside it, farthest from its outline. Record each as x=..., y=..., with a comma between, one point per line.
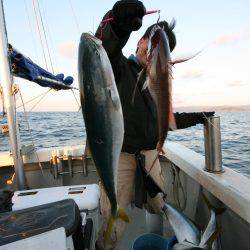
x=233, y=37
x=193, y=74
x=177, y=100
x=68, y=49
x=236, y=84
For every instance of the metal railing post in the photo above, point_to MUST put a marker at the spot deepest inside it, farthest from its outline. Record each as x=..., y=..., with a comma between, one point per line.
x=212, y=141
x=7, y=80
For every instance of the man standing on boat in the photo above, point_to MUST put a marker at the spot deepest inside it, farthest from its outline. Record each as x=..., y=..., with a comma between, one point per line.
x=140, y=119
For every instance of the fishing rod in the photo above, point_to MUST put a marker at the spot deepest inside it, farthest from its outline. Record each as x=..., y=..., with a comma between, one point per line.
x=147, y=13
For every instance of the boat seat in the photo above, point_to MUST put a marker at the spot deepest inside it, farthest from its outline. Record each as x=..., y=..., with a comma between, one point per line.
x=21, y=224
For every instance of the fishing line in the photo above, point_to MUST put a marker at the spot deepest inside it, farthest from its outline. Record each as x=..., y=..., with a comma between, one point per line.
x=159, y=16
x=154, y=161
x=210, y=122
x=103, y=27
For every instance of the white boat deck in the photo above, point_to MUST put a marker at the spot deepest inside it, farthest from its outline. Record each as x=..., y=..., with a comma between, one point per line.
x=231, y=187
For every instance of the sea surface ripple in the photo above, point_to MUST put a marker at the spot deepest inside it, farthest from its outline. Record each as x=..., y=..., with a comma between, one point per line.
x=51, y=129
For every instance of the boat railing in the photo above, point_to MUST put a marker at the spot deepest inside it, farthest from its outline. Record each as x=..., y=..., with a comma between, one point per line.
x=212, y=142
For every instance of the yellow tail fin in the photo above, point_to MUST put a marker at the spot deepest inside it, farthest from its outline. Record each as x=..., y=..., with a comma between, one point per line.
x=120, y=214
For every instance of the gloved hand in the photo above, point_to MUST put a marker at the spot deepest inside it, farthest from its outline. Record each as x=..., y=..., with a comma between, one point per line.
x=185, y=120
x=128, y=14
x=204, y=116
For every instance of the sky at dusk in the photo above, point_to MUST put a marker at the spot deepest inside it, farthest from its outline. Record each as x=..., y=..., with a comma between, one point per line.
x=219, y=75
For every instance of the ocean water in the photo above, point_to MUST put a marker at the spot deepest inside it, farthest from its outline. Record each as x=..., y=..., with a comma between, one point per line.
x=67, y=128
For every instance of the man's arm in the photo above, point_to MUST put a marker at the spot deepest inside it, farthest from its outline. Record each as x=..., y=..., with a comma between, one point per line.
x=186, y=120
x=127, y=17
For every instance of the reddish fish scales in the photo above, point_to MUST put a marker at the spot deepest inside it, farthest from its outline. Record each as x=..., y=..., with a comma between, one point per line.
x=159, y=82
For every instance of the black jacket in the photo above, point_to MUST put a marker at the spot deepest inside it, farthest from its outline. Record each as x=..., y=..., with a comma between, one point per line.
x=140, y=117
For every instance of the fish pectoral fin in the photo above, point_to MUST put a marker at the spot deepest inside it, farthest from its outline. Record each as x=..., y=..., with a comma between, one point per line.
x=146, y=84
x=212, y=238
x=114, y=97
x=185, y=59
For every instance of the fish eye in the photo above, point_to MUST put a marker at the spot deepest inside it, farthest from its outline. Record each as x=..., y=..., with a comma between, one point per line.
x=97, y=53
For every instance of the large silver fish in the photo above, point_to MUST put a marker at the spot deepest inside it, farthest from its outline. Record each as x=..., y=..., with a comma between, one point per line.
x=184, y=228
x=188, y=235
x=103, y=116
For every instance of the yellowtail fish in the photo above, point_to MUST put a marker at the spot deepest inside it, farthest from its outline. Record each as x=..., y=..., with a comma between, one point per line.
x=103, y=117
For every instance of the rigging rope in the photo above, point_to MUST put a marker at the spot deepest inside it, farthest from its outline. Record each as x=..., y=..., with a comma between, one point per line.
x=39, y=32
x=31, y=137
x=44, y=32
x=39, y=100
x=75, y=17
x=32, y=99
x=2, y=98
x=50, y=40
x=78, y=104
x=31, y=31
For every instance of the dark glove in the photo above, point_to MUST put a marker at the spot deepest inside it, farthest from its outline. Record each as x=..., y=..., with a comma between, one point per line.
x=185, y=120
x=128, y=15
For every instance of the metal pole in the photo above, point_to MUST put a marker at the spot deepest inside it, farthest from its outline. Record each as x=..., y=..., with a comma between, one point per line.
x=6, y=80
x=212, y=141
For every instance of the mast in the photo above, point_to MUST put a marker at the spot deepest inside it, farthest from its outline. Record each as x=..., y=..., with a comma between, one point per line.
x=6, y=80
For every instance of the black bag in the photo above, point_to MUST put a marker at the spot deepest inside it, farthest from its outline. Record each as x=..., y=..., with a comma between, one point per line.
x=143, y=183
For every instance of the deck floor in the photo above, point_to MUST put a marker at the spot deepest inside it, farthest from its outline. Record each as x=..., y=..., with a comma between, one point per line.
x=137, y=227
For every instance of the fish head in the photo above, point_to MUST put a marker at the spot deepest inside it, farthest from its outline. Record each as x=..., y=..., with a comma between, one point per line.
x=89, y=51
x=158, y=54
x=157, y=36
x=89, y=41
x=186, y=246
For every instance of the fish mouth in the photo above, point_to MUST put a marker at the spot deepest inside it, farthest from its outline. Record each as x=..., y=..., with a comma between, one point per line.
x=91, y=38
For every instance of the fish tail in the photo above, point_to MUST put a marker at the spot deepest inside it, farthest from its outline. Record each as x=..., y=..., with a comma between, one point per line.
x=111, y=221
x=120, y=214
